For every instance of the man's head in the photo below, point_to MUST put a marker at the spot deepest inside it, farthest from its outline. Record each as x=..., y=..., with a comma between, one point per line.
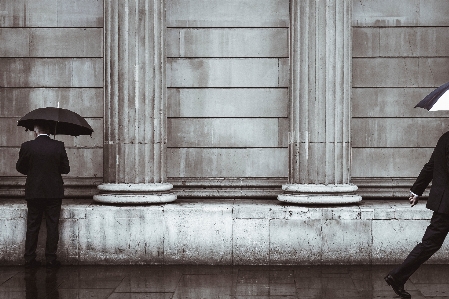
x=41, y=127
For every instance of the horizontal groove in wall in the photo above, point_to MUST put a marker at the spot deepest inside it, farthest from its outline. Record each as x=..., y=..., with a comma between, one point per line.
x=66, y=147
x=231, y=147
x=396, y=117
x=230, y=27
x=397, y=57
x=47, y=27
x=392, y=147
x=401, y=27
x=227, y=57
x=222, y=87
x=51, y=87
x=393, y=87
x=227, y=117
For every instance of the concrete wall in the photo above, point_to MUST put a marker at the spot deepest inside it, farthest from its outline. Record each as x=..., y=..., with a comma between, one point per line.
x=51, y=53
x=400, y=54
x=227, y=77
x=229, y=233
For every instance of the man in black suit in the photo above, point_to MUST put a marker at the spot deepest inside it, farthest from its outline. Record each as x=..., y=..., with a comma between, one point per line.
x=43, y=160
x=437, y=172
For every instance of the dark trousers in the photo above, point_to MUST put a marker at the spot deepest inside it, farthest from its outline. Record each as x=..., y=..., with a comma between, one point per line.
x=432, y=240
x=36, y=208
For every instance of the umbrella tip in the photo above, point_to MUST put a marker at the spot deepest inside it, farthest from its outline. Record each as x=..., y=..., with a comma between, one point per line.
x=58, y=104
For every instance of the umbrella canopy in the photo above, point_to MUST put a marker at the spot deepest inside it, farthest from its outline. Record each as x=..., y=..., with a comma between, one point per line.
x=436, y=100
x=62, y=121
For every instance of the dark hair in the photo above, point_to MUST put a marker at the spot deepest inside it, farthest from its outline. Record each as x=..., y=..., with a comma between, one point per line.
x=43, y=126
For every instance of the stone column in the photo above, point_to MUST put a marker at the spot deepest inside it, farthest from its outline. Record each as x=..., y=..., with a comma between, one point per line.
x=134, y=150
x=320, y=109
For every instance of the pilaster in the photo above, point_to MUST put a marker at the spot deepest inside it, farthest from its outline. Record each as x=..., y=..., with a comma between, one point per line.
x=135, y=104
x=320, y=109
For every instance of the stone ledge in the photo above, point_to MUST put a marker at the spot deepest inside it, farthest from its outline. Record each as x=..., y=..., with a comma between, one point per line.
x=192, y=231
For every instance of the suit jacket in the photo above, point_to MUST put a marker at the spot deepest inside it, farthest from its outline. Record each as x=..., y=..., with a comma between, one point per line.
x=437, y=172
x=43, y=160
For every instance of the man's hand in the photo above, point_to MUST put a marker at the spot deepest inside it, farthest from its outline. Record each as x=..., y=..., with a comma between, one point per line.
x=413, y=199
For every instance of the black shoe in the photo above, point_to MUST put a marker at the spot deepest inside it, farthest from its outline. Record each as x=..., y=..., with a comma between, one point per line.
x=32, y=264
x=53, y=264
x=397, y=288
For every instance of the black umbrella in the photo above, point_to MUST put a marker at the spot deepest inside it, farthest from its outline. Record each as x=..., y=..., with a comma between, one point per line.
x=437, y=99
x=62, y=121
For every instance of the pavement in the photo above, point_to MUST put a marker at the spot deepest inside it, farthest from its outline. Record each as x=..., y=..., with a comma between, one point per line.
x=221, y=282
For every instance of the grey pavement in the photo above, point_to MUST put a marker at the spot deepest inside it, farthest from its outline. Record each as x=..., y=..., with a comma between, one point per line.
x=223, y=282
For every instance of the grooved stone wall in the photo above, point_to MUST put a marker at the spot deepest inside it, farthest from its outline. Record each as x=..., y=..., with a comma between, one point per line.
x=227, y=79
x=51, y=53
x=227, y=76
x=400, y=54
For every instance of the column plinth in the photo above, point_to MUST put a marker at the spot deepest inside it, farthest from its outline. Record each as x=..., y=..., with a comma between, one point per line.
x=320, y=108
x=319, y=194
x=135, y=193
x=134, y=151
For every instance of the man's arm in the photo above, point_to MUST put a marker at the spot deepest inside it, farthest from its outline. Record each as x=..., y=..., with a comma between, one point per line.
x=421, y=183
x=22, y=164
x=424, y=178
x=64, y=166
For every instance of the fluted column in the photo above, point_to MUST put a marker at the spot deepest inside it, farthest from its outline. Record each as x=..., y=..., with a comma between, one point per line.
x=135, y=103
x=320, y=109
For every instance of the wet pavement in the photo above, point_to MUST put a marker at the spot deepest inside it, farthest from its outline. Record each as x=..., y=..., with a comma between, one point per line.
x=223, y=282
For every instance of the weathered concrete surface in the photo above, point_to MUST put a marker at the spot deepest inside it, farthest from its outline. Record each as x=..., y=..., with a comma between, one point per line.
x=425, y=133
x=16, y=102
x=227, y=42
x=227, y=162
x=225, y=132
x=50, y=13
x=394, y=162
x=400, y=72
x=57, y=72
x=400, y=42
x=240, y=72
x=225, y=232
x=227, y=102
x=390, y=103
x=51, y=42
x=233, y=13
x=403, y=13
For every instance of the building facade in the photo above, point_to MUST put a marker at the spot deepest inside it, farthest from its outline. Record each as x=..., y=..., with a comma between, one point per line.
x=264, y=99
x=231, y=85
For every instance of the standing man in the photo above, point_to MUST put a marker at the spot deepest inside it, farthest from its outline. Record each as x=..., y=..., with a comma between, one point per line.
x=43, y=160
x=437, y=171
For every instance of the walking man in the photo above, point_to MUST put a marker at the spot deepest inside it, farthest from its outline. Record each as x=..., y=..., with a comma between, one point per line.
x=437, y=171
x=43, y=160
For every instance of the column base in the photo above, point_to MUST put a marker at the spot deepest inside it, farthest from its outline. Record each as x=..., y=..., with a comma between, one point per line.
x=135, y=193
x=319, y=194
